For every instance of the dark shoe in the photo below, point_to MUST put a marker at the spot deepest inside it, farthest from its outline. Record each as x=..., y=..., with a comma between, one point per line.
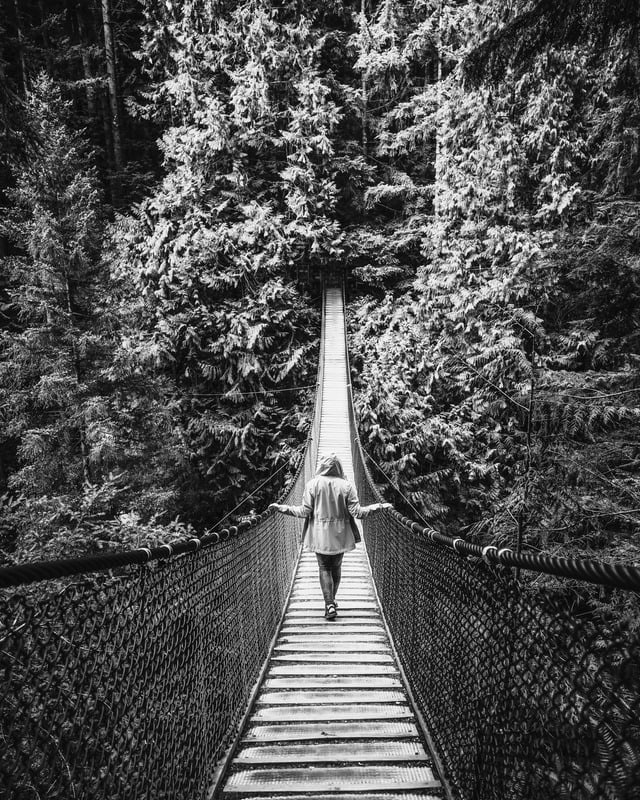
x=330, y=612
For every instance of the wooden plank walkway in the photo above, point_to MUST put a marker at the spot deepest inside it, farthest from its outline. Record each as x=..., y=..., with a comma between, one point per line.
x=332, y=718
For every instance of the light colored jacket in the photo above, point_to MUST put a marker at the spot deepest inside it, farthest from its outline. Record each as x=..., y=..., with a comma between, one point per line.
x=327, y=502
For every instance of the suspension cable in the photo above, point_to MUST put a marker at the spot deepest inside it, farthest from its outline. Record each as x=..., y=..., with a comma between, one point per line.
x=230, y=393
x=617, y=575
x=257, y=489
x=396, y=487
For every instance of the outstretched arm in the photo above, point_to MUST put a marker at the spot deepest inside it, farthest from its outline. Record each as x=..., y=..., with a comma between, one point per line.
x=356, y=510
x=304, y=510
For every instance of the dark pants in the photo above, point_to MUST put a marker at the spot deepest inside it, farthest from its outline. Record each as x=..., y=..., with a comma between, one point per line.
x=330, y=571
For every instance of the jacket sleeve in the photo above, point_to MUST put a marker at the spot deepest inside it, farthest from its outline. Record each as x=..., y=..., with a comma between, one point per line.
x=355, y=509
x=304, y=510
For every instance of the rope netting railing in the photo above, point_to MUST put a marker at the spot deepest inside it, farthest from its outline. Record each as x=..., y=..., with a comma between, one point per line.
x=528, y=694
x=127, y=675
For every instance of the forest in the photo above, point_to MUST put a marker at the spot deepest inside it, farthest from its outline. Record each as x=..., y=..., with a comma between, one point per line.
x=175, y=179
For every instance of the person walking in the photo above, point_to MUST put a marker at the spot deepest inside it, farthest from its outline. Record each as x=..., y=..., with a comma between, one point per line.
x=329, y=504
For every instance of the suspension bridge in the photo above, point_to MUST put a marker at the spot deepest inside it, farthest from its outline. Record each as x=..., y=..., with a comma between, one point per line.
x=205, y=668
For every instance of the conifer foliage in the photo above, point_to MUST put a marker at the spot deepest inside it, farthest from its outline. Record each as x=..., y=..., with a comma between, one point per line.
x=245, y=196
x=175, y=176
x=73, y=441
x=513, y=355
x=50, y=350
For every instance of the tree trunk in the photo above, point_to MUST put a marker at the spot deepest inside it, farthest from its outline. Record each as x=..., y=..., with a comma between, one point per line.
x=112, y=84
x=3, y=475
x=84, y=448
x=90, y=91
x=21, y=58
x=438, y=164
x=45, y=38
x=364, y=89
x=108, y=144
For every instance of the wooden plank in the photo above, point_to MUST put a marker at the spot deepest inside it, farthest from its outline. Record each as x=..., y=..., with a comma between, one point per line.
x=344, y=598
x=336, y=644
x=302, y=603
x=333, y=779
x=337, y=752
x=331, y=682
x=371, y=624
x=390, y=795
x=348, y=589
x=330, y=711
x=330, y=634
x=328, y=658
x=364, y=620
x=334, y=668
x=351, y=583
x=330, y=696
x=318, y=731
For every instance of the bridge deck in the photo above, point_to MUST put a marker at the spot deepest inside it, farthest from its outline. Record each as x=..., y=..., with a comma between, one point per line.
x=332, y=718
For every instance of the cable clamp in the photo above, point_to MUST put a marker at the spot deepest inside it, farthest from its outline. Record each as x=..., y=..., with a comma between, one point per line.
x=485, y=551
x=198, y=543
x=167, y=548
x=504, y=550
x=455, y=542
x=146, y=551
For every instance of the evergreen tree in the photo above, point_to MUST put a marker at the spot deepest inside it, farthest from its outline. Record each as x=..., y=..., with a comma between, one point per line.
x=90, y=435
x=89, y=47
x=245, y=196
x=496, y=363
x=47, y=354
x=56, y=223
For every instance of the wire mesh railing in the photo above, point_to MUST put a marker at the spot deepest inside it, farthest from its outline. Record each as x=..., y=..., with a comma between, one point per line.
x=131, y=685
x=528, y=694
x=127, y=675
